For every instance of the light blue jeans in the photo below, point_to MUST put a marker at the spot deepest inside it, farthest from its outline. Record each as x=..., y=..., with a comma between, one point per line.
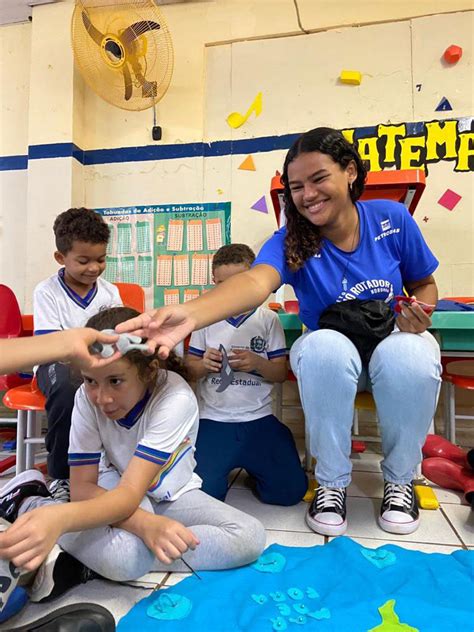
x=404, y=377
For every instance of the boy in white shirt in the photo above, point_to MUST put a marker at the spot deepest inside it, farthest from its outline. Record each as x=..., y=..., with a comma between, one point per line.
x=236, y=427
x=68, y=299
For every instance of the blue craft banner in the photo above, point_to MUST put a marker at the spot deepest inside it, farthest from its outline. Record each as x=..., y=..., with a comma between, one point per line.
x=337, y=587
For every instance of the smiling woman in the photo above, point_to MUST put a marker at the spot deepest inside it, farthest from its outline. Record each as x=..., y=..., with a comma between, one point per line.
x=336, y=248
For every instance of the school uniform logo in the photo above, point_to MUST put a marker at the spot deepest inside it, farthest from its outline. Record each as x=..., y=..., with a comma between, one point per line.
x=258, y=344
x=385, y=224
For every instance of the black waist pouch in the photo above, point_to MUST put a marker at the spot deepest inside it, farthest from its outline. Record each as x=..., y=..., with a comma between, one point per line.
x=365, y=323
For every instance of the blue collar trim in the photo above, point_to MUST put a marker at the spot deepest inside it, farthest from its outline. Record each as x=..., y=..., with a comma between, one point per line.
x=79, y=300
x=134, y=415
x=239, y=320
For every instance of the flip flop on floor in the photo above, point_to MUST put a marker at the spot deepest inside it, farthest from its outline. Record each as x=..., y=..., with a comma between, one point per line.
x=78, y=617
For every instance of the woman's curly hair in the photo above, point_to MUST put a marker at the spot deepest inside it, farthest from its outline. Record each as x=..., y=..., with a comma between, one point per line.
x=149, y=367
x=303, y=239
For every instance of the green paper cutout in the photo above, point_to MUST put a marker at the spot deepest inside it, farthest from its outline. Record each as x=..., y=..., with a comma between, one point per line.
x=390, y=620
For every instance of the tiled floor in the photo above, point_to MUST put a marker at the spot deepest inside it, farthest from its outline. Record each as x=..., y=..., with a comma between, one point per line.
x=445, y=530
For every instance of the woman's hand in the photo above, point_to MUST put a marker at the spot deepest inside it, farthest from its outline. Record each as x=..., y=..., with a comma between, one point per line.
x=163, y=327
x=31, y=537
x=413, y=319
x=168, y=539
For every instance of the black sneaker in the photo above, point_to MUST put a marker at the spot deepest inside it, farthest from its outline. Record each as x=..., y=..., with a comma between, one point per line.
x=26, y=484
x=399, y=512
x=57, y=574
x=60, y=490
x=327, y=513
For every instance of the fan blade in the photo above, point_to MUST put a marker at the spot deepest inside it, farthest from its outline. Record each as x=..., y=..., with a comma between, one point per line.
x=128, y=82
x=90, y=28
x=135, y=30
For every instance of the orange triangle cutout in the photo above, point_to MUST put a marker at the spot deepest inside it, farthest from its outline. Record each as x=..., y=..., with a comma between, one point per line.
x=248, y=164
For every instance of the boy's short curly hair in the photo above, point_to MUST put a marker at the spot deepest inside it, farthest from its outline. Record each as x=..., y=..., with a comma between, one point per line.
x=79, y=224
x=233, y=254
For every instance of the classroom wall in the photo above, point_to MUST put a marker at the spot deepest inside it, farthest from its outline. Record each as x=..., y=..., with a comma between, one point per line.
x=225, y=52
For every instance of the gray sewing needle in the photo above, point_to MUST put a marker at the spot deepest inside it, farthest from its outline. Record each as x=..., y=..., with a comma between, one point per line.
x=190, y=568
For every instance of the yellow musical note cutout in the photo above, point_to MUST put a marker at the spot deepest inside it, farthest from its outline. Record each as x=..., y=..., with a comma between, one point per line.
x=236, y=119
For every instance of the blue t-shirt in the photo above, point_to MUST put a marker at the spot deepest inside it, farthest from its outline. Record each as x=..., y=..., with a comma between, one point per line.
x=390, y=253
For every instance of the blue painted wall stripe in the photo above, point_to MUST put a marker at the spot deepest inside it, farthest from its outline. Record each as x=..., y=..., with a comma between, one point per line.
x=168, y=152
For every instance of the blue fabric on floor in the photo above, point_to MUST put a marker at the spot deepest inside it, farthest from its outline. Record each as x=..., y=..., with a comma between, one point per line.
x=336, y=587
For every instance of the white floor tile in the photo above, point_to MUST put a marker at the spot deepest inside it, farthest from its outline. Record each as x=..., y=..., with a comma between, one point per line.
x=271, y=516
x=293, y=538
x=366, y=462
x=372, y=543
x=448, y=496
x=462, y=519
x=366, y=485
x=362, y=522
x=150, y=580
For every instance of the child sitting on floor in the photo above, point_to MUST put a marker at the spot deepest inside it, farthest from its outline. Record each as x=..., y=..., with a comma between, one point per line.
x=236, y=427
x=143, y=420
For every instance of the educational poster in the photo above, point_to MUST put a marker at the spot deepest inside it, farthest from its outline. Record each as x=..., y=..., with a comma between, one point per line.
x=167, y=249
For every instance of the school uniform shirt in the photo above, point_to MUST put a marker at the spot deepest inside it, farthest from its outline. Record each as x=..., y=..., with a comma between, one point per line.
x=249, y=396
x=56, y=306
x=390, y=253
x=162, y=428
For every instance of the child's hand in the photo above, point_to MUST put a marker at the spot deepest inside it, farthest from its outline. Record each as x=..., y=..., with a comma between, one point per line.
x=78, y=343
x=212, y=360
x=168, y=539
x=242, y=360
x=31, y=537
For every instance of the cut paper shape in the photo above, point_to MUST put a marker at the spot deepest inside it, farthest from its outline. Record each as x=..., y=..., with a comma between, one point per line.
x=295, y=593
x=260, y=205
x=279, y=623
x=226, y=373
x=390, y=620
x=379, y=557
x=301, y=620
x=269, y=562
x=248, y=164
x=236, y=119
x=301, y=608
x=353, y=77
x=169, y=606
x=449, y=199
x=324, y=613
x=311, y=593
x=261, y=599
x=283, y=609
x=278, y=596
x=444, y=105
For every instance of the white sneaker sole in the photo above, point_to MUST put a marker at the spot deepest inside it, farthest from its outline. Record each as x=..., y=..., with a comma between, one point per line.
x=399, y=528
x=326, y=529
x=29, y=476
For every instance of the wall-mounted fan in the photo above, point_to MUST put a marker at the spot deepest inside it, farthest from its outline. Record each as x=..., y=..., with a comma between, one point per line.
x=123, y=50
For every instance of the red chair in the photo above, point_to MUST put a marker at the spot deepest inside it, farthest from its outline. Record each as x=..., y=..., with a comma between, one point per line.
x=132, y=295
x=11, y=326
x=27, y=400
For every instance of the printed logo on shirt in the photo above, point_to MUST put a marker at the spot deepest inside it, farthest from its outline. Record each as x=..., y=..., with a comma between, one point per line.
x=381, y=287
x=387, y=233
x=258, y=344
x=385, y=224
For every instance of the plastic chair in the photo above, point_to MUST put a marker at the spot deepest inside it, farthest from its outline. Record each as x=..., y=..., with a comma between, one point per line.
x=132, y=295
x=27, y=400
